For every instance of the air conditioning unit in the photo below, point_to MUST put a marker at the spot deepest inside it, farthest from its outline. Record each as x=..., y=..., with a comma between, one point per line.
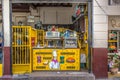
x=114, y=2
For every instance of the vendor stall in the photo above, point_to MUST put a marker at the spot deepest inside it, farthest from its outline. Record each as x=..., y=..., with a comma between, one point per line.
x=59, y=50
x=49, y=46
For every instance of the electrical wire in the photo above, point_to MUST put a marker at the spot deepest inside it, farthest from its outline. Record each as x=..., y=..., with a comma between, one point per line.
x=101, y=7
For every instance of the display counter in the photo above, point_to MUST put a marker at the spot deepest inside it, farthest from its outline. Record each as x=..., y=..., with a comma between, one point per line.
x=56, y=59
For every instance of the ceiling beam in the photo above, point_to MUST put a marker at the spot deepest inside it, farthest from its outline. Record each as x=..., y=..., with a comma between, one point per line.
x=53, y=5
x=18, y=8
x=49, y=1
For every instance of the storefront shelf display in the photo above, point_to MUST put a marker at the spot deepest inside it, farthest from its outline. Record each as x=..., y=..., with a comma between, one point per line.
x=113, y=41
x=71, y=42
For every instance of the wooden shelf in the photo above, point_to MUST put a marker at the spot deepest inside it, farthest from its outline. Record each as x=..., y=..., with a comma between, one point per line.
x=112, y=40
x=113, y=53
x=71, y=38
x=53, y=38
x=20, y=45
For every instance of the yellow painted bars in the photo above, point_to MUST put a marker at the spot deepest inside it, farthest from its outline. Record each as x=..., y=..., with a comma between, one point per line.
x=40, y=37
x=24, y=37
x=1, y=67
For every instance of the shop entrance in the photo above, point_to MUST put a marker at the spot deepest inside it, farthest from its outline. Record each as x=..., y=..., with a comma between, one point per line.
x=50, y=37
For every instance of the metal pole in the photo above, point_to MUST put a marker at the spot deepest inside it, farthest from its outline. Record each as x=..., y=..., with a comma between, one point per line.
x=10, y=36
x=90, y=35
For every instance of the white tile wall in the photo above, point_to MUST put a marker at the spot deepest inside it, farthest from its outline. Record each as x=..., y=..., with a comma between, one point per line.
x=100, y=27
x=100, y=19
x=6, y=23
x=98, y=10
x=101, y=2
x=100, y=35
x=100, y=43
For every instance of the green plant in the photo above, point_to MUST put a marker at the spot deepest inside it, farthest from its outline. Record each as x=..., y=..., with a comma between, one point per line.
x=116, y=61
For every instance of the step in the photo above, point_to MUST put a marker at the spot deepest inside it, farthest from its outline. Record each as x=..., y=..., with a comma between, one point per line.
x=61, y=76
x=54, y=76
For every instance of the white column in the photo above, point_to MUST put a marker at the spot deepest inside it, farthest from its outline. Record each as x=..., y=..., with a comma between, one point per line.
x=6, y=21
x=7, y=37
x=100, y=24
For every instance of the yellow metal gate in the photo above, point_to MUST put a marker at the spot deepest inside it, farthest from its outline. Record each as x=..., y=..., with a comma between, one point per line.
x=1, y=65
x=40, y=37
x=24, y=37
x=1, y=54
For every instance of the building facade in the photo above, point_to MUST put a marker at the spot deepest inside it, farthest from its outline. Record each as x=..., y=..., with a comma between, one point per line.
x=101, y=10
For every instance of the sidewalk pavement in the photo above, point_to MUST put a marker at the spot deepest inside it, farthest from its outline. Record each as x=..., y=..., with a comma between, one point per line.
x=115, y=78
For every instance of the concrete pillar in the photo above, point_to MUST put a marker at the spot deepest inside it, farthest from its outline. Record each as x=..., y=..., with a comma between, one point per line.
x=100, y=37
x=7, y=39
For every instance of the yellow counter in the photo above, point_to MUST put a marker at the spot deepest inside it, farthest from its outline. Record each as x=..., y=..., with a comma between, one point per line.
x=68, y=59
